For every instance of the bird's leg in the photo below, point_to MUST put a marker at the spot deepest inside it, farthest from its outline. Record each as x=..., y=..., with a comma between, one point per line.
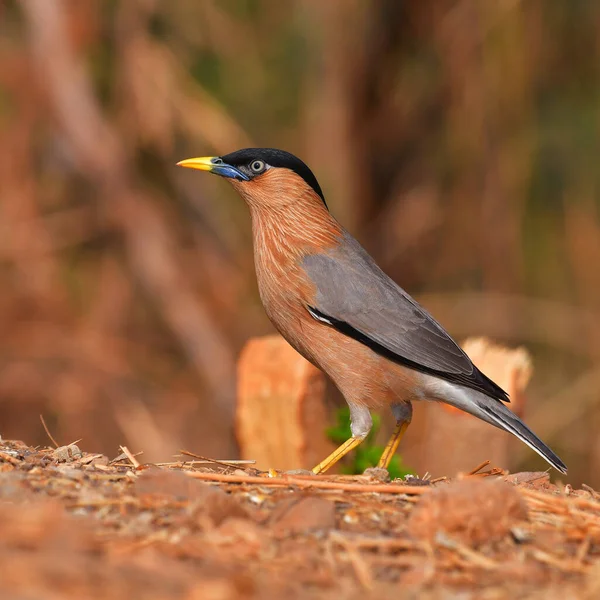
x=338, y=453
x=403, y=413
x=360, y=425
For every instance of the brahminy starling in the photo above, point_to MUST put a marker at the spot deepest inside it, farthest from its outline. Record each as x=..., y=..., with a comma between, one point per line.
x=329, y=299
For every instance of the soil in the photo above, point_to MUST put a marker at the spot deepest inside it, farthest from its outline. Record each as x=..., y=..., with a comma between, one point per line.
x=77, y=525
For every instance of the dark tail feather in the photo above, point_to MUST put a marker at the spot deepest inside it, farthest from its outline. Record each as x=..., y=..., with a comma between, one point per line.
x=503, y=418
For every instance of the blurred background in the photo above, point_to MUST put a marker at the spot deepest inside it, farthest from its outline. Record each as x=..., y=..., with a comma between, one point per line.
x=458, y=141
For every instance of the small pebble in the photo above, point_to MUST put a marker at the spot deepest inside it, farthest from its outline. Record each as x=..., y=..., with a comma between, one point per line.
x=378, y=474
x=350, y=517
x=257, y=499
x=66, y=453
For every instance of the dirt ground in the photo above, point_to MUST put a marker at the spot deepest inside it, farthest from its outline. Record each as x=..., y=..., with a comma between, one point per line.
x=76, y=525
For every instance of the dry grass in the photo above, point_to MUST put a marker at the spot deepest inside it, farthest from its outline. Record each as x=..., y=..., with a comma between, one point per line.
x=91, y=527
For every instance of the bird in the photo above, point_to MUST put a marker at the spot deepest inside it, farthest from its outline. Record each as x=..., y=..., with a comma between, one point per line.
x=335, y=306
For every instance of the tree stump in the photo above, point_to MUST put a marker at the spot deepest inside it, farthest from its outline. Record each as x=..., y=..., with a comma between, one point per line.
x=281, y=416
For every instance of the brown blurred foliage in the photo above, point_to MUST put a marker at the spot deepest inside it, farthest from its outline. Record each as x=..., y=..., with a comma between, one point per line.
x=457, y=140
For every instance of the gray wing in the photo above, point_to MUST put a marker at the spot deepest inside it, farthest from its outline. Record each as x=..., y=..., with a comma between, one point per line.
x=357, y=298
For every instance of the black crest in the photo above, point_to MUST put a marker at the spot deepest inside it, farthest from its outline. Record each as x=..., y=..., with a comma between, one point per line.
x=275, y=158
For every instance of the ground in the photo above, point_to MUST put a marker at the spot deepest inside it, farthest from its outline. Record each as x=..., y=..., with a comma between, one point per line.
x=76, y=525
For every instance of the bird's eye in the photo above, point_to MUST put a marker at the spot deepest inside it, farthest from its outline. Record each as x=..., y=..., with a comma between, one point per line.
x=257, y=166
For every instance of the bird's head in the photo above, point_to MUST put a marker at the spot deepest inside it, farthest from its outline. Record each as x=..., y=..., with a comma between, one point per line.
x=265, y=177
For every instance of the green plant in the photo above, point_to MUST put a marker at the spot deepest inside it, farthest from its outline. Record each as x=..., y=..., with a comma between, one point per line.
x=367, y=454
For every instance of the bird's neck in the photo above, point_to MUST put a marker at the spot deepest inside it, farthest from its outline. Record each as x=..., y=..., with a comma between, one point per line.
x=286, y=234
x=282, y=238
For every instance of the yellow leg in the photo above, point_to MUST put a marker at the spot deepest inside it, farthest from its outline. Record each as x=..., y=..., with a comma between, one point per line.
x=392, y=445
x=337, y=454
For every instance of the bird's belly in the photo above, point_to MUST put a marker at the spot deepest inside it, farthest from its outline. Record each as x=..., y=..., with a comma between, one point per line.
x=361, y=375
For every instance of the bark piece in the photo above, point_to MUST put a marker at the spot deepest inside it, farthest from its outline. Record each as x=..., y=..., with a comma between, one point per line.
x=280, y=416
x=309, y=513
x=470, y=511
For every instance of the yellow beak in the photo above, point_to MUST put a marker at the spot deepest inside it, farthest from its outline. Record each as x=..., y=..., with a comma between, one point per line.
x=204, y=163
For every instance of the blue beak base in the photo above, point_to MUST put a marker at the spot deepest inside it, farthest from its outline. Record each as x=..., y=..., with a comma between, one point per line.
x=225, y=170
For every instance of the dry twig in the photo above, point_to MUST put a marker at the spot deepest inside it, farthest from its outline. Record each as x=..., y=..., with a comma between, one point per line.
x=56, y=444
x=214, y=461
x=130, y=456
x=314, y=482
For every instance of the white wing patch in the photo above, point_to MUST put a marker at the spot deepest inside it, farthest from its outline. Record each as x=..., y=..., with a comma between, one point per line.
x=318, y=317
